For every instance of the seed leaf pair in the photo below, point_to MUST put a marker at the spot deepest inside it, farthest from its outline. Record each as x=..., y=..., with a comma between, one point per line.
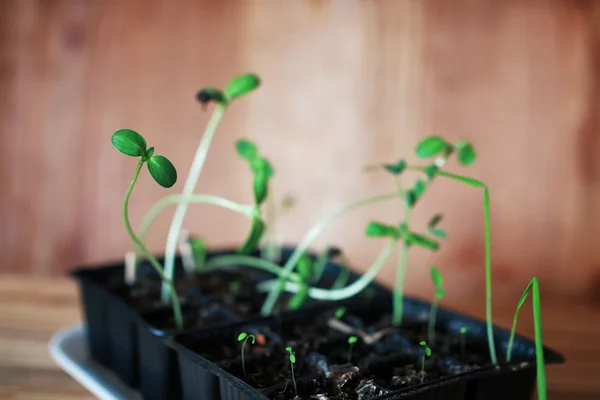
x=434, y=145
x=131, y=143
x=237, y=87
x=378, y=230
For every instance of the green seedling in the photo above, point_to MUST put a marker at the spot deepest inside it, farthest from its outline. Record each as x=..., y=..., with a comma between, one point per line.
x=463, y=333
x=439, y=294
x=539, y=342
x=351, y=341
x=426, y=353
x=237, y=87
x=292, y=362
x=263, y=172
x=244, y=337
x=305, y=271
x=164, y=173
x=340, y=312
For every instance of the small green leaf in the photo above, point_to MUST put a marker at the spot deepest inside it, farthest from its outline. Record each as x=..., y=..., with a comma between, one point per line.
x=288, y=349
x=242, y=336
x=377, y=229
x=305, y=267
x=463, y=330
x=292, y=359
x=435, y=220
x=199, y=250
x=419, y=188
x=246, y=149
x=440, y=233
x=423, y=343
x=395, y=169
x=147, y=154
x=436, y=277
x=207, y=95
x=420, y=240
x=129, y=142
x=339, y=313
x=298, y=299
x=163, y=172
x=431, y=146
x=256, y=232
x=466, y=152
x=240, y=85
x=431, y=171
x=410, y=198
x=262, y=172
x=352, y=340
x=427, y=351
x=440, y=293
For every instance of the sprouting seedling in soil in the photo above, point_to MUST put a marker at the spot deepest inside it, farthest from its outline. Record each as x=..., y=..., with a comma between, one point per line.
x=340, y=312
x=351, y=341
x=439, y=294
x=164, y=173
x=292, y=362
x=539, y=343
x=244, y=337
x=426, y=353
x=463, y=333
x=305, y=271
x=263, y=172
x=237, y=87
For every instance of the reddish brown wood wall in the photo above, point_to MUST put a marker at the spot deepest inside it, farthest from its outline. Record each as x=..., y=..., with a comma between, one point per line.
x=345, y=83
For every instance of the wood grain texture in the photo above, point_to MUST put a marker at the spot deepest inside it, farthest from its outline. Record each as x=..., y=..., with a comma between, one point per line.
x=33, y=309
x=345, y=84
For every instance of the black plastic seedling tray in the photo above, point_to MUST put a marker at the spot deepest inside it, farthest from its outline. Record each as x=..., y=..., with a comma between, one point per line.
x=210, y=362
x=129, y=339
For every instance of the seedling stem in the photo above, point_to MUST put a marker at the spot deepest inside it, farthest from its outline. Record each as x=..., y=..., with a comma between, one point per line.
x=351, y=341
x=426, y=353
x=153, y=261
x=244, y=336
x=188, y=189
x=292, y=362
x=539, y=342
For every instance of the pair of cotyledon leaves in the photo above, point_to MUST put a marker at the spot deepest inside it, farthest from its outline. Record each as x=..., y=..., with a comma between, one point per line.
x=131, y=143
x=379, y=230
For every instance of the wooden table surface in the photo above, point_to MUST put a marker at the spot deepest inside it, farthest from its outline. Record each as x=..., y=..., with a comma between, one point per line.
x=32, y=309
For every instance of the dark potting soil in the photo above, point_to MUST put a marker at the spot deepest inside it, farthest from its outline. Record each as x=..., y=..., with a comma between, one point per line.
x=196, y=317
x=326, y=368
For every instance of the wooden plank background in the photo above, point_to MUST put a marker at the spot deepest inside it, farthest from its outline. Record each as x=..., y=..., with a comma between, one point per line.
x=345, y=84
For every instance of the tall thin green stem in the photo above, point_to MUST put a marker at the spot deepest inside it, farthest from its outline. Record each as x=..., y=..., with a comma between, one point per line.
x=273, y=295
x=188, y=189
x=539, y=341
x=488, y=256
x=398, y=311
x=153, y=261
x=431, y=324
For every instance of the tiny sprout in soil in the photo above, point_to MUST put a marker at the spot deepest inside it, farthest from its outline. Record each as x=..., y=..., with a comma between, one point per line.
x=426, y=353
x=292, y=362
x=351, y=341
x=463, y=332
x=244, y=337
x=439, y=293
